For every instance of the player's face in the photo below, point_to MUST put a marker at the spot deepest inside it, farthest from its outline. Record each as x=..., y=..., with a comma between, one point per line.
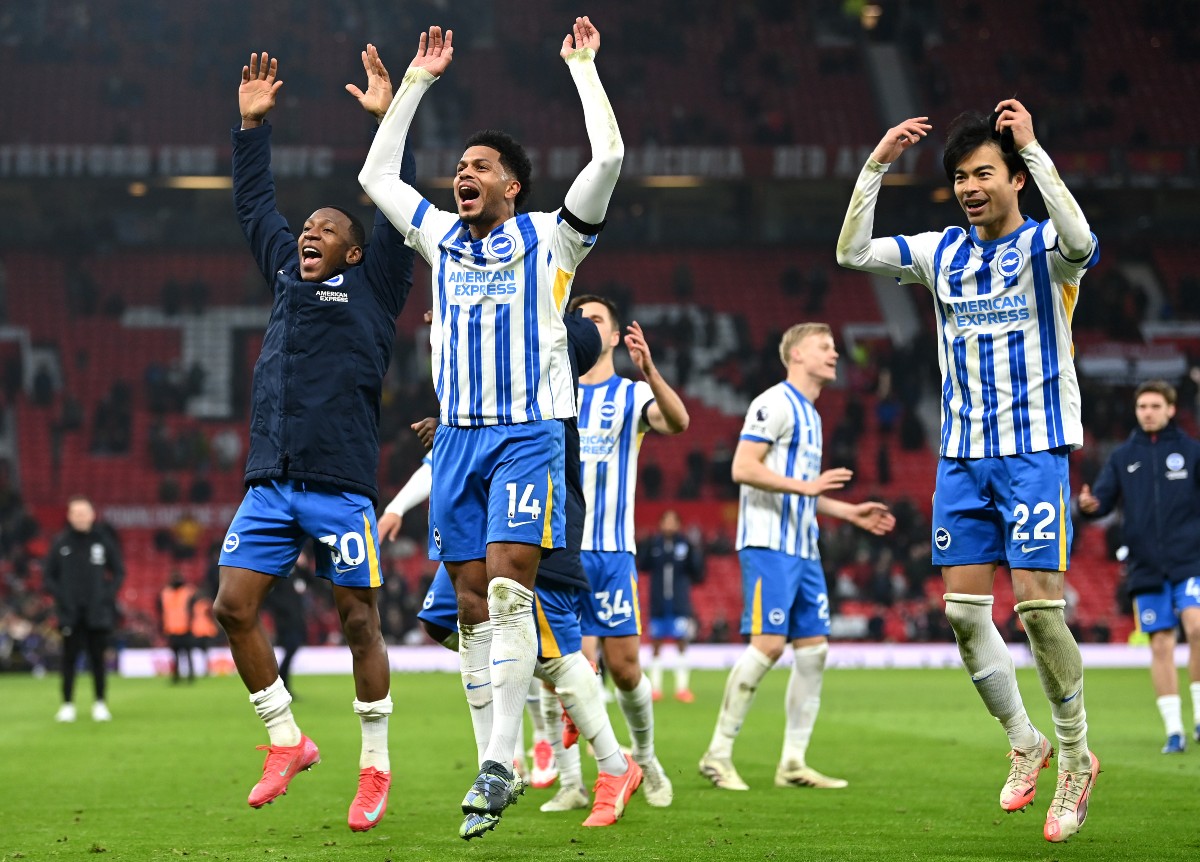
x=483, y=190
x=598, y=314
x=1153, y=412
x=984, y=189
x=326, y=246
x=81, y=516
x=670, y=523
x=818, y=357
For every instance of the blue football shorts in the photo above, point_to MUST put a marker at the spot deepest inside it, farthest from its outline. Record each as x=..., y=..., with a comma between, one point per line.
x=670, y=628
x=1160, y=611
x=277, y=518
x=496, y=483
x=440, y=607
x=611, y=607
x=557, y=611
x=1012, y=508
x=783, y=594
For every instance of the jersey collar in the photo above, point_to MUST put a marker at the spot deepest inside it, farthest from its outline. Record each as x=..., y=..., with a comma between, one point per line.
x=988, y=243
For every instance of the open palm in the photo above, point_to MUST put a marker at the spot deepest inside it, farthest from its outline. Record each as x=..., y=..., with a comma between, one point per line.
x=256, y=95
x=434, y=52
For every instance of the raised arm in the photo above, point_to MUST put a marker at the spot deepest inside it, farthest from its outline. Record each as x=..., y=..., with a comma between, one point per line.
x=380, y=174
x=588, y=197
x=855, y=247
x=667, y=413
x=1074, y=235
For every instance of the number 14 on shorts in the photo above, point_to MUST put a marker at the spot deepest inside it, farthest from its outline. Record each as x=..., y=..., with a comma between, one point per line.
x=528, y=510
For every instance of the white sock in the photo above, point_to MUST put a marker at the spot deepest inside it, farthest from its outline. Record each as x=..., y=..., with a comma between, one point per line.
x=374, y=719
x=683, y=674
x=569, y=771
x=580, y=695
x=740, y=689
x=514, y=653
x=803, y=700
x=474, y=656
x=656, y=673
x=638, y=708
x=1060, y=668
x=987, y=659
x=533, y=706
x=1170, y=707
x=274, y=706
x=1194, y=688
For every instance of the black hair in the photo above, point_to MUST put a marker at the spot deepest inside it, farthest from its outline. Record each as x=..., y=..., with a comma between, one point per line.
x=585, y=298
x=968, y=132
x=358, y=234
x=512, y=156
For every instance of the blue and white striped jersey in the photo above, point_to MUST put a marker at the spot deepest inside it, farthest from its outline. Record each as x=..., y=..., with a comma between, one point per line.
x=611, y=427
x=1004, y=327
x=498, y=338
x=785, y=419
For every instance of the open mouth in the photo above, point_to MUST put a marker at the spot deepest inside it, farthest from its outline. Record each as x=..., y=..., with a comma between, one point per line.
x=974, y=207
x=310, y=257
x=467, y=194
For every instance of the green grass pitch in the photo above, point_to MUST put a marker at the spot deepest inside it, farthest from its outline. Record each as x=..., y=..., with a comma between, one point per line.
x=168, y=779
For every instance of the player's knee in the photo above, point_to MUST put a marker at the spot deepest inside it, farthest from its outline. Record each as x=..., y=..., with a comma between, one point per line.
x=472, y=607
x=233, y=615
x=360, y=625
x=626, y=673
x=967, y=613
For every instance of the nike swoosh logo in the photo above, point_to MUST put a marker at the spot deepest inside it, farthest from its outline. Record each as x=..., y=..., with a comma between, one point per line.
x=371, y=815
x=472, y=686
x=285, y=771
x=1133, y=467
x=1026, y=549
x=1071, y=697
x=513, y=524
x=502, y=660
x=950, y=272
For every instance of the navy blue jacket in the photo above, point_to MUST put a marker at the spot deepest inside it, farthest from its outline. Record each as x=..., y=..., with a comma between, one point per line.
x=562, y=567
x=319, y=378
x=673, y=565
x=1155, y=477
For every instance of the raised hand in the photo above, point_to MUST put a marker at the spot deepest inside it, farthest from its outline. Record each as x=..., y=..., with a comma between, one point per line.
x=1014, y=116
x=256, y=95
x=379, y=86
x=830, y=480
x=873, y=517
x=639, y=350
x=583, y=35
x=899, y=138
x=434, y=52
x=389, y=526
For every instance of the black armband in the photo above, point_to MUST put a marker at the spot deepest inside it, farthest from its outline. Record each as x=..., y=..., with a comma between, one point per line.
x=579, y=224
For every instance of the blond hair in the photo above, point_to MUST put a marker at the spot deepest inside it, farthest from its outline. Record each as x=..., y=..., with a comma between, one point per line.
x=798, y=333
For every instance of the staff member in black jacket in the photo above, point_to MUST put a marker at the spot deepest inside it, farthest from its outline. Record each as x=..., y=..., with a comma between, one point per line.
x=83, y=572
x=1156, y=475
x=314, y=438
x=674, y=564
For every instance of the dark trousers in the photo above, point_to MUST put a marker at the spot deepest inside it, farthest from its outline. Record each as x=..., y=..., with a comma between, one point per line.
x=78, y=639
x=181, y=646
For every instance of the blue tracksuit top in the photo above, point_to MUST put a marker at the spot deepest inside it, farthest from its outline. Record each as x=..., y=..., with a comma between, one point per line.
x=319, y=378
x=1157, y=481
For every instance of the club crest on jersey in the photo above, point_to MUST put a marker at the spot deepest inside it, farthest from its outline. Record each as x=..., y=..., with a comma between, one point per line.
x=500, y=246
x=231, y=543
x=776, y=616
x=1176, y=466
x=941, y=538
x=437, y=538
x=608, y=411
x=1010, y=261
x=1149, y=617
x=336, y=281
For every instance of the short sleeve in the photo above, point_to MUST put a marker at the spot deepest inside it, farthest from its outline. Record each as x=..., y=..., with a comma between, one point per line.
x=767, y=420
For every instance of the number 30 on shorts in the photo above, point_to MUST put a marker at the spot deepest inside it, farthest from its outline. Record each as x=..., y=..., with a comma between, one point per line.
x=350, y=549
x=1044, y=514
